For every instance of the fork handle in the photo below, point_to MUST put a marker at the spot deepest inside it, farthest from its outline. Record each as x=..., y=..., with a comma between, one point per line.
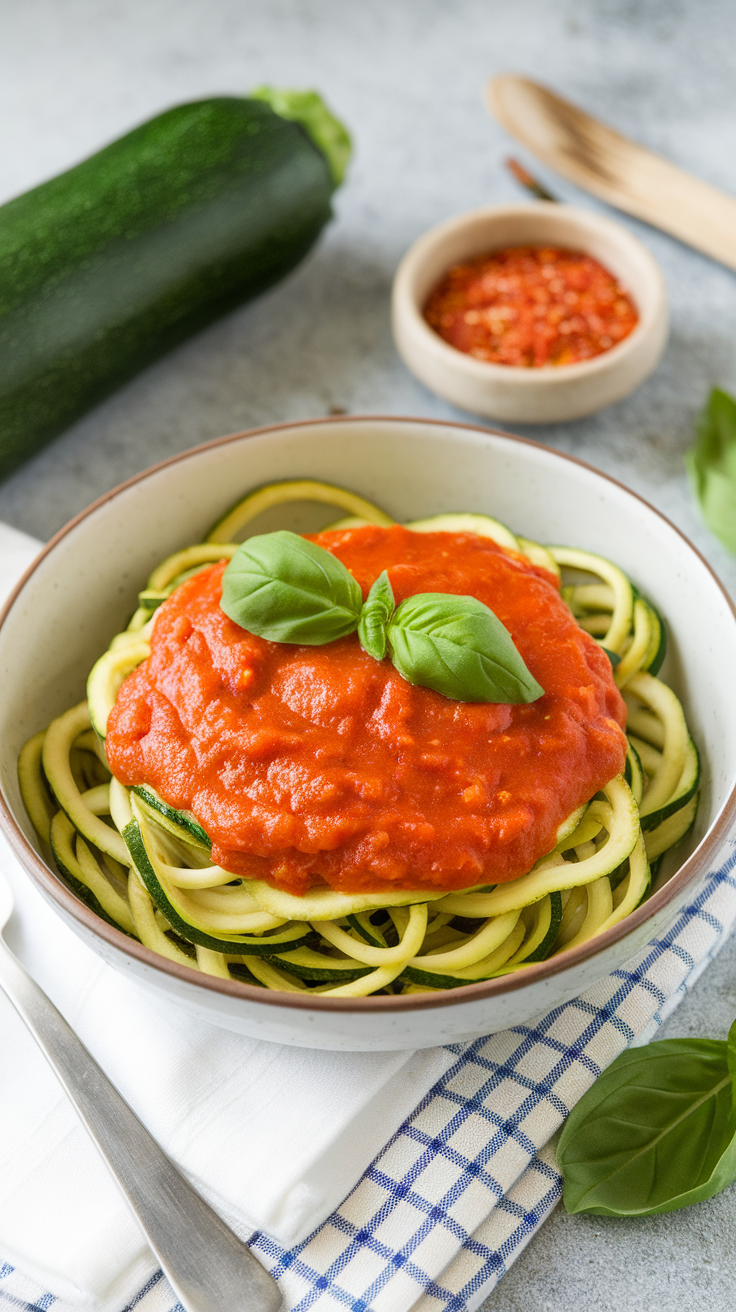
x=208, y=1267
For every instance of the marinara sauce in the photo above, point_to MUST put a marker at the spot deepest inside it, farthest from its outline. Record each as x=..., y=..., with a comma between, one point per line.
x=311, y=765
x=529, y=306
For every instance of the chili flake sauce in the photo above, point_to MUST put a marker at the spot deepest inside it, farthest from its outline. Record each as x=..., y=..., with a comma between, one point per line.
x=311, y=765
x=529, y=306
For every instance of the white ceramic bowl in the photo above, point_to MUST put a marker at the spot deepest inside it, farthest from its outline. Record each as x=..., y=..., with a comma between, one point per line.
x=536, y=395
x=83, y=588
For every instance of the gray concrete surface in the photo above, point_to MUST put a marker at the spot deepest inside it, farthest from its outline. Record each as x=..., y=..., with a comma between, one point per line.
x=407, y=76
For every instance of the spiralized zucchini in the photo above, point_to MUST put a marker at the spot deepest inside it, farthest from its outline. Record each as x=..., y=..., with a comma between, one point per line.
x=145, y=867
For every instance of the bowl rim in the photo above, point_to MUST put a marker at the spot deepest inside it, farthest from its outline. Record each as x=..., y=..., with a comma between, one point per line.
x=51, y=884
x=406, y=302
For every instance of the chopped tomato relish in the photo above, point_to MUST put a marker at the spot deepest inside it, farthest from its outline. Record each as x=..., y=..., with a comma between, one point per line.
x=531, y=306
x=312, y=765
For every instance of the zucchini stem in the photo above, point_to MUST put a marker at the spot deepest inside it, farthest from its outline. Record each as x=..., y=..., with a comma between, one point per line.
x=309, y=109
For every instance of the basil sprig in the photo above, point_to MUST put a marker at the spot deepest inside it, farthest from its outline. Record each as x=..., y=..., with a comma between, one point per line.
x=656, y=1132
x=285, y=589
x=711, y=463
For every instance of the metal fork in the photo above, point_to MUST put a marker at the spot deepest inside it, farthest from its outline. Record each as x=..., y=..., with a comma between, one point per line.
x=208, y=1267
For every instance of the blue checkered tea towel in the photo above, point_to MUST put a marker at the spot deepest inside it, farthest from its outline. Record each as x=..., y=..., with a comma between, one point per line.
x=455, y=1196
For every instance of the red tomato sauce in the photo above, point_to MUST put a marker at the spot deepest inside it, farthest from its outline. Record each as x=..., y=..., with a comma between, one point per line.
x=530, y=306
x=312, y=765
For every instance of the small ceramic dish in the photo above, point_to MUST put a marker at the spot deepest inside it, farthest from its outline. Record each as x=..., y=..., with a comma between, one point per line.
x=529, y=395
x=83, y=587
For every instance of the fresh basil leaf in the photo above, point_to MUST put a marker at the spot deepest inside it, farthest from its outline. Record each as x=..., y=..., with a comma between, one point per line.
x=711, y=463
x=458, y=647
x=656, y=1131
x=286, y=589
x=378, y=608
x=731, y=1058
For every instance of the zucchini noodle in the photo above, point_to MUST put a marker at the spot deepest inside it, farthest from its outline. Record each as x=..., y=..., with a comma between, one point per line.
x=145, y=867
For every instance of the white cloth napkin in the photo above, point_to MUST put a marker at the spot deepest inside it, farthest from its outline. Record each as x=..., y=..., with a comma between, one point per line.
x=274, y=1137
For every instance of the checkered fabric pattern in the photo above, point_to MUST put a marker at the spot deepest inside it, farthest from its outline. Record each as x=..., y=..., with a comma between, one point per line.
x=458, y=1192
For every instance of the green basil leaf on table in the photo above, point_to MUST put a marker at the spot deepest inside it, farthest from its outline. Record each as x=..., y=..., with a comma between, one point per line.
x=458, y=647
x=731, y=1059
x=378, y=608
x=286, y=589
x=711, y=463
x=656, y=1132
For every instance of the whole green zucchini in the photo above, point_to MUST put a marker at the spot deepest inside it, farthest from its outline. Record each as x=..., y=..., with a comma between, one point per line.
x=112, y=263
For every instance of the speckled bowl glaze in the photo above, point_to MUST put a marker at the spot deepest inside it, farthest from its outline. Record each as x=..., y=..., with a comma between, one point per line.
x=536, y=395
x=83, y=587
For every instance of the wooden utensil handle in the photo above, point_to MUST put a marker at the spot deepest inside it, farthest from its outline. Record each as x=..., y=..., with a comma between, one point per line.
x=611, y=166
